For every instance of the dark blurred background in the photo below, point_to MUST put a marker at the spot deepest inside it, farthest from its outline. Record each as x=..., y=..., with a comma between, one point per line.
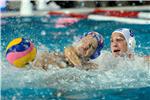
x=70, y=4
x=14, y=5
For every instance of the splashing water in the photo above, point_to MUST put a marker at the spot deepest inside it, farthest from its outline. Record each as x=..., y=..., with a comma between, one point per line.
x=112, y=73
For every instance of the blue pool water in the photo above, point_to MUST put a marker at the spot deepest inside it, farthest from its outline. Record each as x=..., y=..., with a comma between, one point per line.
x=121, y=81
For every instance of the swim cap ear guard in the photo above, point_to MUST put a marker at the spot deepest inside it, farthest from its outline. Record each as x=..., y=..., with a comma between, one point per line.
x=100, y=42
x=132, y=43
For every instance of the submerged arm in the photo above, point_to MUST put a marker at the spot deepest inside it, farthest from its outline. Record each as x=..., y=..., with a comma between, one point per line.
x=147, y=58
x=46, y=58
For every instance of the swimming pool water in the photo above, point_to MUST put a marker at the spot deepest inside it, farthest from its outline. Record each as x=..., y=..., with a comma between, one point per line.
x=129, y=80
x=42, y=30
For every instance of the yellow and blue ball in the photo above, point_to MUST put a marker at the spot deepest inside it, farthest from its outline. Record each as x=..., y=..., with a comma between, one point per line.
x=20, y=52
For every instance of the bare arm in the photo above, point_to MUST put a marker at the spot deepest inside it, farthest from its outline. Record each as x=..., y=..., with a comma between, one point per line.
x=46, y=58
x=72, y=56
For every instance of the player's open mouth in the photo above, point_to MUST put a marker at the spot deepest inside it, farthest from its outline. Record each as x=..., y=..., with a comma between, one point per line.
x=116, y=51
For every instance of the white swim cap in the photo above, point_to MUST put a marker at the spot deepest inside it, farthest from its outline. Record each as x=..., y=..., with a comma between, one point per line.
x=129, y=36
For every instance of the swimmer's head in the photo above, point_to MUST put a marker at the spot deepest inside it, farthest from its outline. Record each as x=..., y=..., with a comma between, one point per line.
x=90, y=45
x=122, y=41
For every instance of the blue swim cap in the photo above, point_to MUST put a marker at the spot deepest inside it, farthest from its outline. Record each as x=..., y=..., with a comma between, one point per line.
x=100, y=42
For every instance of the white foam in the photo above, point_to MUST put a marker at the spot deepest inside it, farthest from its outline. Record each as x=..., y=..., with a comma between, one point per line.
x=112, y=73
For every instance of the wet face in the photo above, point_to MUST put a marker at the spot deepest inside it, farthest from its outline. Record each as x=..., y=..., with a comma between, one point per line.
x=118, y=44
x=86, y=46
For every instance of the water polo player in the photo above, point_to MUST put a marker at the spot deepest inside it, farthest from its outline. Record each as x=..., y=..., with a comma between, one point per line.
x=122, y=42
x=79, y=54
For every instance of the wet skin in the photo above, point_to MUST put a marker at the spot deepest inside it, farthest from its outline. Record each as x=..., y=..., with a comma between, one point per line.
x=87, y=46
x=118, y=44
